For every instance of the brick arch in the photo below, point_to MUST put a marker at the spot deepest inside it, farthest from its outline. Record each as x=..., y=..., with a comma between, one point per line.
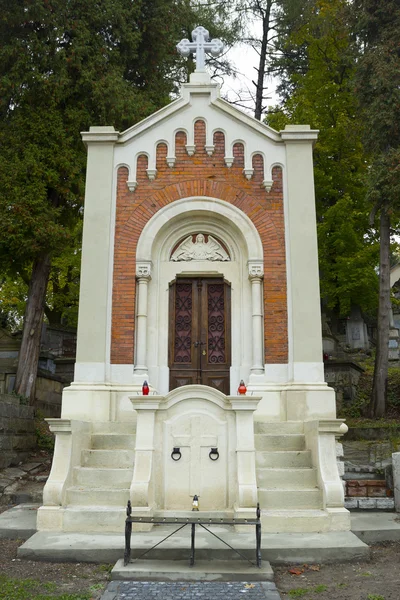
x=135, y=210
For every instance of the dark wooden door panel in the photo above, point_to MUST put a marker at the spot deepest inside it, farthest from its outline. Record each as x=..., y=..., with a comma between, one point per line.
x=199, y=335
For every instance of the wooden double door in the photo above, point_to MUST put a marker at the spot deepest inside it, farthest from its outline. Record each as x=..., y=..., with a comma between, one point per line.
x=200, y=332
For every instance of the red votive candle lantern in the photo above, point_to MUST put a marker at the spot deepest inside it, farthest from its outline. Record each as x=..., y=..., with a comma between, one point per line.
x=242, y=389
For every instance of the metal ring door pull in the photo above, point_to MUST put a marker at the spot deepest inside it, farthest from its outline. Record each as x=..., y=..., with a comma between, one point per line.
x=176, y=454
x=214, y=454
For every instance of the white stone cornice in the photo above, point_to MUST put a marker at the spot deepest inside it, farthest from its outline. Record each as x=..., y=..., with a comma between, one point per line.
x=299, y=133
x=59, y=425
x=242, y=117
x=100, y=135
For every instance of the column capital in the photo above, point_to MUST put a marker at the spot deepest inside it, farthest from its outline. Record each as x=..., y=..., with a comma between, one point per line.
x=299, y=133
x=143, y=270
x=256, y=270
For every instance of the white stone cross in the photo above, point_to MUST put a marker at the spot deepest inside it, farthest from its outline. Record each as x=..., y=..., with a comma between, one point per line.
x=200, y=45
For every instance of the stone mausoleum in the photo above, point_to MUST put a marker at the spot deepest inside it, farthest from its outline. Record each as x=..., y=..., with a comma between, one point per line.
x=199, y=270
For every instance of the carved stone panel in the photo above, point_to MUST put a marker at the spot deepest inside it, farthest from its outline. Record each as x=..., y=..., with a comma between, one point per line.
x=200, y=247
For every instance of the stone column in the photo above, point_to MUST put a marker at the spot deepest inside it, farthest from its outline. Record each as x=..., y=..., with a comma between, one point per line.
x=94, y=300
x=143, y=276
x=256, y=277
x=305, y=338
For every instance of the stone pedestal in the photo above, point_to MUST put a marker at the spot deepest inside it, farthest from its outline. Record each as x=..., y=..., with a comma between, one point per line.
x=194, y=441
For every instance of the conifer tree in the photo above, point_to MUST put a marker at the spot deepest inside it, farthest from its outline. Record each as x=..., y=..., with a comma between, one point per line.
x=377, y=25
x=66, y=65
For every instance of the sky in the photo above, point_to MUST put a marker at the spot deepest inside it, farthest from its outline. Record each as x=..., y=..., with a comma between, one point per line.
x=245, y=59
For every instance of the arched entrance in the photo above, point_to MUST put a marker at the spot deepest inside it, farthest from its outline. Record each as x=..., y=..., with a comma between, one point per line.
x=229, y=264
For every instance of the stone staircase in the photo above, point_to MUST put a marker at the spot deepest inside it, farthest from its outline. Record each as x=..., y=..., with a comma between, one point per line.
x=288, y=491
x=100, y=485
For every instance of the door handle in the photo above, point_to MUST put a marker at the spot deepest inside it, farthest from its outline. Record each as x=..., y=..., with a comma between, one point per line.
x=204, y=353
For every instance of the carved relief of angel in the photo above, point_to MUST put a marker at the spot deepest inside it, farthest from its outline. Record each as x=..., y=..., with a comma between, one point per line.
x=200, y=249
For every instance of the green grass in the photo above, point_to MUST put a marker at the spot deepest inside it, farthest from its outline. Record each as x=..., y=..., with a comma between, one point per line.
x=298, y=592
x=104, y=568
x=375, y=597
x=320, y=588
x=30, y=589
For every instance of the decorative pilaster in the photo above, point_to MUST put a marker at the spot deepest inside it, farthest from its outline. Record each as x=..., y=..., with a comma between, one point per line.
x=141, y=489
x=143, y=276
x=302, y=255
x=246, y=497
x=256, y=276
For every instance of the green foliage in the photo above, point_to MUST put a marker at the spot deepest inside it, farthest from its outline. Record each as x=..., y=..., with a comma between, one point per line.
x=375, y=597
x=44, y=437
x=65, y=66
x=393, y=396
x=15, y=589
x=22, y=399
x=359, y=406
x=322, y=95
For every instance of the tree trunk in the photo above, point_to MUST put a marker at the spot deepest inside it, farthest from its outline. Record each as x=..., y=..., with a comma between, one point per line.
x=263, y=58
x=30, y=345
x=379, y=387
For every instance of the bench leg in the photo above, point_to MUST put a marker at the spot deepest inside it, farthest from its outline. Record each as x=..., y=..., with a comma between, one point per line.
x=128, y=532
x=192, y=545
x=258, y=545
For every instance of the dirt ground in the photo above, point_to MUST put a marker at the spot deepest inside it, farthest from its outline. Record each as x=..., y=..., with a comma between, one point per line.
x=378, y=579
x=71, y=578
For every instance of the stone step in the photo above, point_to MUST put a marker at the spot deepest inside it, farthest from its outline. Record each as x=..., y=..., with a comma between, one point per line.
x=279, y=427
x=109, y=441
x=291, y=441
x=294, y=521
x=108, y=459
x=285, y=499
x=127, y=427
x=97, y=496
x=284, y=459
x=89, y=477
x=202, y=570
x=99, y=519
x=287, y=478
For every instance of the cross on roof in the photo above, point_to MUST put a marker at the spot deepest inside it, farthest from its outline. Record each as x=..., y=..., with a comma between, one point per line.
x=200, y=45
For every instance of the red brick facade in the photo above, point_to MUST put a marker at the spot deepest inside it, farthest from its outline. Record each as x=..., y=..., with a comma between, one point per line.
x=199, y=175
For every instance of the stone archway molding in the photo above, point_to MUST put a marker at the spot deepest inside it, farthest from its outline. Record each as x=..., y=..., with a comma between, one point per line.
x=235, y=218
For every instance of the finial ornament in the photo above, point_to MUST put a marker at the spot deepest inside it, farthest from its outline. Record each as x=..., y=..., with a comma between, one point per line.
x=200, y=45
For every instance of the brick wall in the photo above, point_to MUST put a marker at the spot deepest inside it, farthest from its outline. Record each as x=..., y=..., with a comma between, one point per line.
x=199, y=175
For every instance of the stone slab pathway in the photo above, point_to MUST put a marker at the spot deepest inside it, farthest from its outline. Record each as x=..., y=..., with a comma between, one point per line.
x=199, y=590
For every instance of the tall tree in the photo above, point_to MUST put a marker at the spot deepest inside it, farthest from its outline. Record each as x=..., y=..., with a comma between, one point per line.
x=319, y=92
x=66, y=65
x=377, y=25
